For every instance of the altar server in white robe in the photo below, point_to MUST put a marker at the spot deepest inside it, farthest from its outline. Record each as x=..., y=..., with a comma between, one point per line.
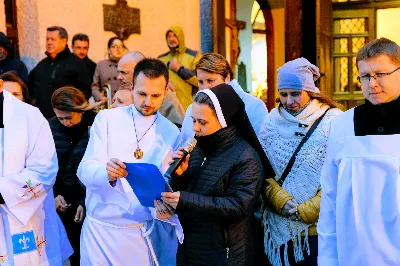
x=116, y=225
x=359, y=221
x=212, y=70
x=31, y=233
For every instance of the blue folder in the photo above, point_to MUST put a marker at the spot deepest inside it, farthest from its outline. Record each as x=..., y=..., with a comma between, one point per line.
x=146, y=181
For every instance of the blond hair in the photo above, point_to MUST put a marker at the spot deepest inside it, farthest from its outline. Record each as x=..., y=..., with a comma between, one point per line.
x=215, y=63
x=381, y=46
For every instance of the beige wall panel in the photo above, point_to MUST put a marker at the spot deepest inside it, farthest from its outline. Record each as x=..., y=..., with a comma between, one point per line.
x=34, y=16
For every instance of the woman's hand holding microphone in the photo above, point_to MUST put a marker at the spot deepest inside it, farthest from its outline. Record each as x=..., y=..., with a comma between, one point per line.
x=172, y=198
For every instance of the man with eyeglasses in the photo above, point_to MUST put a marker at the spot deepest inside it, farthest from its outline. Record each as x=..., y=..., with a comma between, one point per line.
x=359, y=222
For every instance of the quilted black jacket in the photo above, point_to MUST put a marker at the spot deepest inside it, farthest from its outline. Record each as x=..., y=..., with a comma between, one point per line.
x=70, y=145
x=218, y=195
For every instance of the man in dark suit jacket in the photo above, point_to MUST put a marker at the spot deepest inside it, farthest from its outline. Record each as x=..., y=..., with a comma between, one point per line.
x=80, y=48
x=60, y=68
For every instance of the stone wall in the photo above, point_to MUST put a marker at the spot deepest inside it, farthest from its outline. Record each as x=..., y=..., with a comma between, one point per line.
x=76, y=16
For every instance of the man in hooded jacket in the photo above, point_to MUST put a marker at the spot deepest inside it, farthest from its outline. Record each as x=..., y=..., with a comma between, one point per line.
x=181, y=62
x=8, y=61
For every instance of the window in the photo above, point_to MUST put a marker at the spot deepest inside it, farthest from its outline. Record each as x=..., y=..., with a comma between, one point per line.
x=355, y=23
x=258, y=52
x=351, y=30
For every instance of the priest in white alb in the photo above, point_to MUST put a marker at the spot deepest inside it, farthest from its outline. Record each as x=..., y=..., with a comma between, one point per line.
x=31, y=233
x=118, y=230
x=359, y=221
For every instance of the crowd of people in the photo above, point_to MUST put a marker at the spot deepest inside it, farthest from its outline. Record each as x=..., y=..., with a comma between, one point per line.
x=306, y=184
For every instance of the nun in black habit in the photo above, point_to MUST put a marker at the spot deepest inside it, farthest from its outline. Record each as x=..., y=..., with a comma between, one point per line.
x=219, y=183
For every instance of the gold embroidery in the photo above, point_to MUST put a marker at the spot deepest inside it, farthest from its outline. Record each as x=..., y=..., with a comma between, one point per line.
x=31, y=189
x=3, y=258
x=40, y=242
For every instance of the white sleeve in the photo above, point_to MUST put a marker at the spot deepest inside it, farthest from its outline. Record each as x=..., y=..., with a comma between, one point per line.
x=92, y=170
x=186, y=130
x=25, y=192
x=327, y=243
x=257, y=115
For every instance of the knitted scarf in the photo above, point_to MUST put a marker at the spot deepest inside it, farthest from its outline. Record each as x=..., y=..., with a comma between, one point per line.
x=279, y=142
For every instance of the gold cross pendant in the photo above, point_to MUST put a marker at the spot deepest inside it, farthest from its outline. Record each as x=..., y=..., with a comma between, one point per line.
x=138, y=153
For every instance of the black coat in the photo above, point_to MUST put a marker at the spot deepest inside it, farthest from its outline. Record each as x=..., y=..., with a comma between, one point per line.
x=91, y=66
x=217, y=198
x=11, y=63
x=70, y=145
x=65, y=70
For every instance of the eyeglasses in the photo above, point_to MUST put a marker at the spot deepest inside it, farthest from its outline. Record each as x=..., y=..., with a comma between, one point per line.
x=367, y=77
x=117, y=47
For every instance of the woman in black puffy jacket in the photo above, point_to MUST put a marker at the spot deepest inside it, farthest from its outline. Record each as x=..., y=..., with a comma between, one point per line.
x=70, y=128
x=218, y=183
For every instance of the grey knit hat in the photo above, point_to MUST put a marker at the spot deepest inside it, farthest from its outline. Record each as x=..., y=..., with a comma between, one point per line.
x=298, y=74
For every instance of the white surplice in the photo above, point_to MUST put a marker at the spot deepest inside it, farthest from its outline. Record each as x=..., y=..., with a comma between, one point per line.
x=255, y=110
x=110, y=234
x=31, y=233
x=359, y=222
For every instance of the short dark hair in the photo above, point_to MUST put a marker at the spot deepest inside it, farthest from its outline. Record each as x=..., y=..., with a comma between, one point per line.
x=61, y=31
x=80, y=37
x=151, y=68
x=11, y=76
x=112, y=39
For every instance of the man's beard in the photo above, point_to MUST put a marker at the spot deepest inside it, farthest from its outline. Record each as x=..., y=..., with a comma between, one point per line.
x=152, y=112
x=174, y=49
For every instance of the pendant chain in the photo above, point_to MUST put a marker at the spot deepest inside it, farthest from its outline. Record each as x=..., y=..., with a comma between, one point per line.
x=139, y=153
x=134, y=125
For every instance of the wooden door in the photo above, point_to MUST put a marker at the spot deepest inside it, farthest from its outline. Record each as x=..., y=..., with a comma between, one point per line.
x=11, y=23
x=324, y=38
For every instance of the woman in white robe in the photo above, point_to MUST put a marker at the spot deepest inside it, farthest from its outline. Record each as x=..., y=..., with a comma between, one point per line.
x=31, y=233
x=212, y=70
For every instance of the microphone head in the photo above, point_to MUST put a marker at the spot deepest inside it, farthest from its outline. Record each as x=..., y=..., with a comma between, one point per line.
x=190, y=144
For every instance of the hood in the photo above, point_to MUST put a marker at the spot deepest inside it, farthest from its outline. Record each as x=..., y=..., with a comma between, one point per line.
x=5, y=42
x=181, y=37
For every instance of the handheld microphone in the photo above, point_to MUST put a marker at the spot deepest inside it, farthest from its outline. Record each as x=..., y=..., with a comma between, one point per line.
x=190, y=144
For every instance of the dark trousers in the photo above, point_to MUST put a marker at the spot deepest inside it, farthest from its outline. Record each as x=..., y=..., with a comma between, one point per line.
x=73, y=232
x=308, y=260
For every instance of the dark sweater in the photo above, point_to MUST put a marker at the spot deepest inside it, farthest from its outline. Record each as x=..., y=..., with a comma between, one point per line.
x=378, y=119
x=91, y=66
x=70, y=146
x=217, y=199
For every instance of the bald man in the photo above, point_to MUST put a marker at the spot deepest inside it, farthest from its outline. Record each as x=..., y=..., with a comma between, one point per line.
x=127, y=64
x=171, y=108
